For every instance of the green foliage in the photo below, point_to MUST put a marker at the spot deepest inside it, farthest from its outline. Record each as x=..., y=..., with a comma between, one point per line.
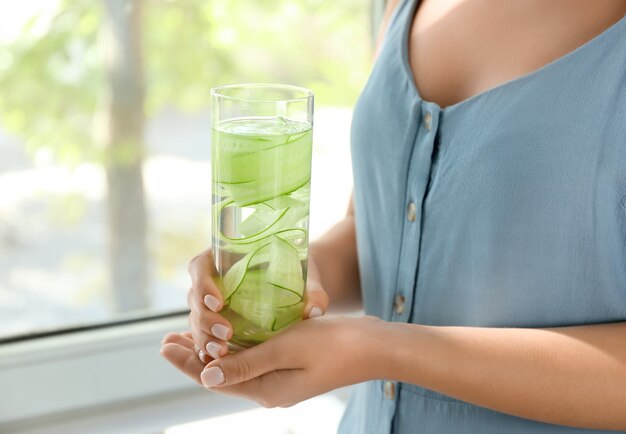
x=48, y=91
x=51, y=83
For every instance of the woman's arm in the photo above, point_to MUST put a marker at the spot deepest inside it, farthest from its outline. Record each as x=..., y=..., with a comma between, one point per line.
x=335, y=257
x=573, y=376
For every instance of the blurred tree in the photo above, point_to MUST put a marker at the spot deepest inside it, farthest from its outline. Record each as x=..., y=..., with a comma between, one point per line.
x=75, y=86
x=122, y=118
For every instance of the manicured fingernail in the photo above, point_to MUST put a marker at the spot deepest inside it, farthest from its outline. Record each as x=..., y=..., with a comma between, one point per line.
x=211, y=302
x=212, y=376
x=213, y=348
x=315, y=312
x=202, y=356
x=220, y=331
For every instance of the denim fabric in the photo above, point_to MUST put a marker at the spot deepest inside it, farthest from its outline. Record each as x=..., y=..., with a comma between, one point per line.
x=520, y=212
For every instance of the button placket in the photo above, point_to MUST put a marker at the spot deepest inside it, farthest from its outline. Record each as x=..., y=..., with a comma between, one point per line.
x=420, y=166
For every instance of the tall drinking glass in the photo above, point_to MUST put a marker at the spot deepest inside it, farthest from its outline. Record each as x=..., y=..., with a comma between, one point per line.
x=261, y=170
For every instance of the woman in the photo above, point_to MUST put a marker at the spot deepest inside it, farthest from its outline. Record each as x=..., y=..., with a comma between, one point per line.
x=487, y=238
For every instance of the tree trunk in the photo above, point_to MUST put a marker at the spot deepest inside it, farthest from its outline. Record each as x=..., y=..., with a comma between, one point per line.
x=123, y=118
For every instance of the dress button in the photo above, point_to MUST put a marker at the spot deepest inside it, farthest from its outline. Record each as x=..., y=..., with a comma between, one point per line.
x=411, y=212
x=398, y=304
x=390, y=390
x=428, y=118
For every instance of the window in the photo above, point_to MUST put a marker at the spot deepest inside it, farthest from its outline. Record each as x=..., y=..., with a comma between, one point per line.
x=104, y=140
x=104, y=184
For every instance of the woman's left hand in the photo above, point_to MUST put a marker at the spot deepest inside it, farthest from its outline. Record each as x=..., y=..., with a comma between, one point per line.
x=307, y=359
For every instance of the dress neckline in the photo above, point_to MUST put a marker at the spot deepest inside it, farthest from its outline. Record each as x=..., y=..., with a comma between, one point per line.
x=405, y=33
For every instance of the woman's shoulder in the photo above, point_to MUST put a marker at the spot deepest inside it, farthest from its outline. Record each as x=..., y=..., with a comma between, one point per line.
x=390, y=8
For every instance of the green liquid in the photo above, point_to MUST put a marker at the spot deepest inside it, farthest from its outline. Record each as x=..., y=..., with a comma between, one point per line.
x=261, y=182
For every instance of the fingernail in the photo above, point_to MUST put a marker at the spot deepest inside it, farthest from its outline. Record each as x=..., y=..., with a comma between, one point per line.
x=202, y=356
x=213, y=348
x=315, y=312
x=212, y=376
x=211, y=302
x=220, y=331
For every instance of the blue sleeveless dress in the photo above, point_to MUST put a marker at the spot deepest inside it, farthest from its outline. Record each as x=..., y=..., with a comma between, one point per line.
x=507, y=209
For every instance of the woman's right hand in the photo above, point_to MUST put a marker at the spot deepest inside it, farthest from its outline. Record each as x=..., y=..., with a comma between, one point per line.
x=209, y=329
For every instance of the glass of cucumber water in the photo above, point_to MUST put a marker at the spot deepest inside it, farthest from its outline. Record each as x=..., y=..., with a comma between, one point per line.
x=261, y=179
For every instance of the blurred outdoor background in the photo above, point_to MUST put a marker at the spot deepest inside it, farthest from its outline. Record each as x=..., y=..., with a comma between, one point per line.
x=105, y=140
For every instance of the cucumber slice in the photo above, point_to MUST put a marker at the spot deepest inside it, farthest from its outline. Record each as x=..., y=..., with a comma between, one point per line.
x=254, y=177
x=255, y=287
x=295, y=236
x=234, y=277
x=261, y=220
x=237, y=163
x=271, y=297
x=264, y=222
x=285, y=269
x=287, y=315
x=259, y=314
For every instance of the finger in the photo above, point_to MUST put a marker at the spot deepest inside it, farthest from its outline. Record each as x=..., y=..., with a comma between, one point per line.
x=245, y=365
x=183, y=359
x=202, y=271
x=186, y=340
x=209, y=324
x=214, y=348
x=315, y=300
x=178, y=338
x=209, y=332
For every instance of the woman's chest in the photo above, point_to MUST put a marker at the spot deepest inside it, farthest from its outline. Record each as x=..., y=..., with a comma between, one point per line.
x=460, y=48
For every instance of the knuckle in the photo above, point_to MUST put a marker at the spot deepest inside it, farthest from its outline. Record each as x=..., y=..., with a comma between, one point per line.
x=195, y=322
x=242, y=369
x=192, y=263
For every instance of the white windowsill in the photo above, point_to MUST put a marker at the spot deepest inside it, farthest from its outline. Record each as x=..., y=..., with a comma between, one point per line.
x=109, y=381
x=47, y=377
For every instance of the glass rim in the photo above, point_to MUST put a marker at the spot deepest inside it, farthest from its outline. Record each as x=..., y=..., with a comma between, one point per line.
x=217, y=92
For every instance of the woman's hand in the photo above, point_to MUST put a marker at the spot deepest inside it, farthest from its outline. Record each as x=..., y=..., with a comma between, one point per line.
x=210, y=330
x=305, y=360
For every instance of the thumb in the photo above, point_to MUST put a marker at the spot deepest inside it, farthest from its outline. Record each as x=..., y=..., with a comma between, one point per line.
x=315, y=298
x=238, y=367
